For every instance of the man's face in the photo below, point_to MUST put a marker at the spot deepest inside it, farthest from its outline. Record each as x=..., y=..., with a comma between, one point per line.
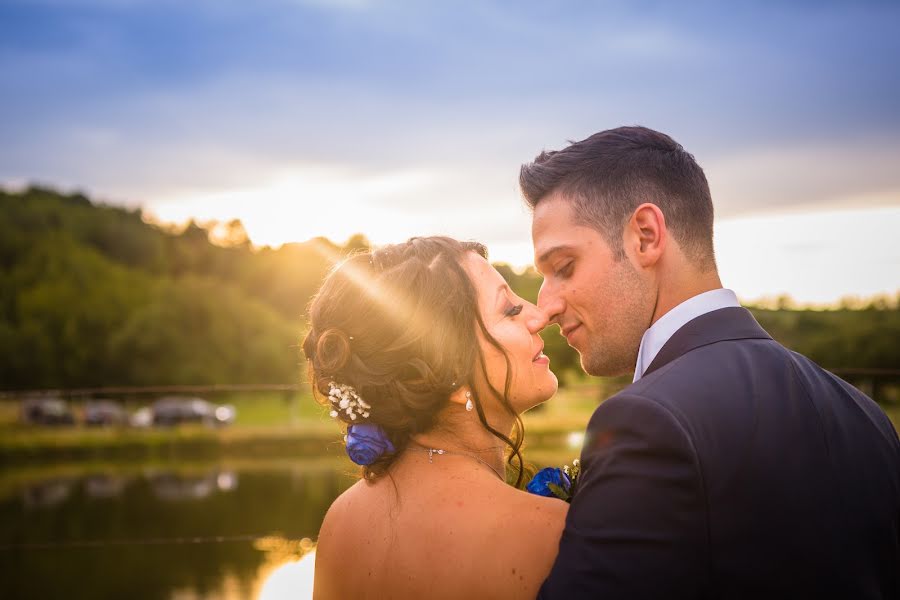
x=603, y=306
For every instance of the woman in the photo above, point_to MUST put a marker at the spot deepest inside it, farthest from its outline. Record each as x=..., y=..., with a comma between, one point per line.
x=429, y=358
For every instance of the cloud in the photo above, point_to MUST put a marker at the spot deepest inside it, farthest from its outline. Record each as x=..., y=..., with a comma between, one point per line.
x=830, y=175
x=162, y=102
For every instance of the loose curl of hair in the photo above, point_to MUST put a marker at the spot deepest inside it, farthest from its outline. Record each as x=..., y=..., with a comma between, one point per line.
x=400, y=325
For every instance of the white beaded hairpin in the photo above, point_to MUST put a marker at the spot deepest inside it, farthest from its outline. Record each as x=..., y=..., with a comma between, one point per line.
x=345, y=399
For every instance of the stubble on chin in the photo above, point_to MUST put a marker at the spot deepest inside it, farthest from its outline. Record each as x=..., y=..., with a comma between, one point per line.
x=616, y=354
x=599, y=361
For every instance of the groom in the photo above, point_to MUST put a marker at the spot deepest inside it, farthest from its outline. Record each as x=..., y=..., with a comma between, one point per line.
x=731, y=467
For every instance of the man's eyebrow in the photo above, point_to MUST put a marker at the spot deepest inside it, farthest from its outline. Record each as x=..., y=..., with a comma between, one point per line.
x=548, y=253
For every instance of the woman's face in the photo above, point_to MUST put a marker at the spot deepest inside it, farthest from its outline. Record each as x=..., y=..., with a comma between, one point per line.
x=515, y=324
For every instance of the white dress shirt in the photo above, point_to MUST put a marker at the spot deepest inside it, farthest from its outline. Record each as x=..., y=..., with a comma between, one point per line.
x=660, y=332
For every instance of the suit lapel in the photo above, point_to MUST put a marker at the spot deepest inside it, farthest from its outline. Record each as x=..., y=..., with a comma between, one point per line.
x=733, y=323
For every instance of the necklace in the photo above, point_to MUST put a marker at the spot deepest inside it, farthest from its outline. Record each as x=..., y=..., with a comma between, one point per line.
x=440, y=451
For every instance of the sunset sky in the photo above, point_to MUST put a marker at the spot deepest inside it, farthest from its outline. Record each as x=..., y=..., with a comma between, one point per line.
x=400, y=118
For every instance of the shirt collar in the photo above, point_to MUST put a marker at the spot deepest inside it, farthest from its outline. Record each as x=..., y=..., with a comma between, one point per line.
x=660, y=332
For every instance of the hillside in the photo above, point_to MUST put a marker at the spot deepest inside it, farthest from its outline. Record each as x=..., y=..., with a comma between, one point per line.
x=92, y=295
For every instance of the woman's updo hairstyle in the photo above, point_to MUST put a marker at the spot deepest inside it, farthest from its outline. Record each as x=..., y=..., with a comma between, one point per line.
x=398, y=324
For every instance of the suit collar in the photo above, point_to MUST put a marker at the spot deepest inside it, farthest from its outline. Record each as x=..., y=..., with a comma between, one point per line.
x=733, y=323
x=665, y=327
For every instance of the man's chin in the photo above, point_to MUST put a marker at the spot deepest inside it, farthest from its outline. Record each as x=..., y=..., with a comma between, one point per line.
x=596, y=367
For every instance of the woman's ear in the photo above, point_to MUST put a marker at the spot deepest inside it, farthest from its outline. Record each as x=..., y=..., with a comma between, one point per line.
x=461, y=395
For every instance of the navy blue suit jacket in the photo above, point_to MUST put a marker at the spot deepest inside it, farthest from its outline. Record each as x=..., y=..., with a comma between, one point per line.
x=734, y=468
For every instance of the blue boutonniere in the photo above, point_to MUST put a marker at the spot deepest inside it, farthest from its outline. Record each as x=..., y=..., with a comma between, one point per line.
x=555, y=482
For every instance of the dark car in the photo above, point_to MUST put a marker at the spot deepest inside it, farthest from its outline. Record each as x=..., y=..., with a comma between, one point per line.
x=46, y=411
x=104, y=412
x=173, y=410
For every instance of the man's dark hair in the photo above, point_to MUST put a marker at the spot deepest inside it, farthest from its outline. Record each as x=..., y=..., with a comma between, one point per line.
x=611, y=173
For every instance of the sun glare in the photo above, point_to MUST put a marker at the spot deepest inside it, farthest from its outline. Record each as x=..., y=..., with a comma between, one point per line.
x=391, y=302
x=293, y=580
x=302, y=204
x=815, y=257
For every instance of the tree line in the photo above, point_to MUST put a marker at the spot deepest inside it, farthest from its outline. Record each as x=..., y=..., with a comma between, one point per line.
x=93, y=295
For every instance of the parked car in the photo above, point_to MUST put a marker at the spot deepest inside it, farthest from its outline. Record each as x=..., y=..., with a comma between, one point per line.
x=104, y=412
x=172, y=410
x=142, y=417
x=46, y=411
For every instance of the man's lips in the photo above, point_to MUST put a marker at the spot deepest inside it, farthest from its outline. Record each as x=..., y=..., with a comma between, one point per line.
x=567, y=331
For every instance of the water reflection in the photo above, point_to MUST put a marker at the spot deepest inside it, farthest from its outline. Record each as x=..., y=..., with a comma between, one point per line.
x=102, y=486
x=158, y=533
x=226, y=481
x=214, y=532
x=47, y=494
x=169, y=486
x=290, y=580
x=175, y=487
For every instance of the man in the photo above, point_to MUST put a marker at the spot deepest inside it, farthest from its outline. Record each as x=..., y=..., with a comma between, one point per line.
x=731, y=467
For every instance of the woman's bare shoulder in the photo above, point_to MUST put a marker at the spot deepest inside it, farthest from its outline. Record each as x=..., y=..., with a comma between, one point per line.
x=342, y=540
x=353, y=505
x=542, y=510
x=504, y=539
x=533, y=519
x=519, y=542
x=344, y=517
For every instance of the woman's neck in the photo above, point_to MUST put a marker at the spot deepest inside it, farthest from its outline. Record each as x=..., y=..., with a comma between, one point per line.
x=457, y=460
x=466, y=437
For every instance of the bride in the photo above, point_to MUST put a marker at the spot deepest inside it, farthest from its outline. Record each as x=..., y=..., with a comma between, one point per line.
x=429, y=358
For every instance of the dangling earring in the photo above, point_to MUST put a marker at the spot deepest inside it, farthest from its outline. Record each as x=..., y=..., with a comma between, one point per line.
x=470, y=406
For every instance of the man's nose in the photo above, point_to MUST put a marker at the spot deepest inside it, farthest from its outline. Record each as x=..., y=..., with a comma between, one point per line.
x=537, y=318
x=550, y=303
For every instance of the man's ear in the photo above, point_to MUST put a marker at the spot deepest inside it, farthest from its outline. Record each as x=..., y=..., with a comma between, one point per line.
x=646, y=235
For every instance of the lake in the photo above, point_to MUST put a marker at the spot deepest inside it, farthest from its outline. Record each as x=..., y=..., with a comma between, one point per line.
x=165, y=531
x=170, y=530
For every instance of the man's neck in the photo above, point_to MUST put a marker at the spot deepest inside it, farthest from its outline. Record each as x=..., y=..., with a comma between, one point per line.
x=673, y=293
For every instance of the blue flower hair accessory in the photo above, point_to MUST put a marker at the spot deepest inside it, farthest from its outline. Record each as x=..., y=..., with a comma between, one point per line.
x=366, y=443
x=554, y=482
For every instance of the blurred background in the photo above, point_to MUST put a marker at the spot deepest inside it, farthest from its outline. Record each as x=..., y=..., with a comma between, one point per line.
x=177, y=177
